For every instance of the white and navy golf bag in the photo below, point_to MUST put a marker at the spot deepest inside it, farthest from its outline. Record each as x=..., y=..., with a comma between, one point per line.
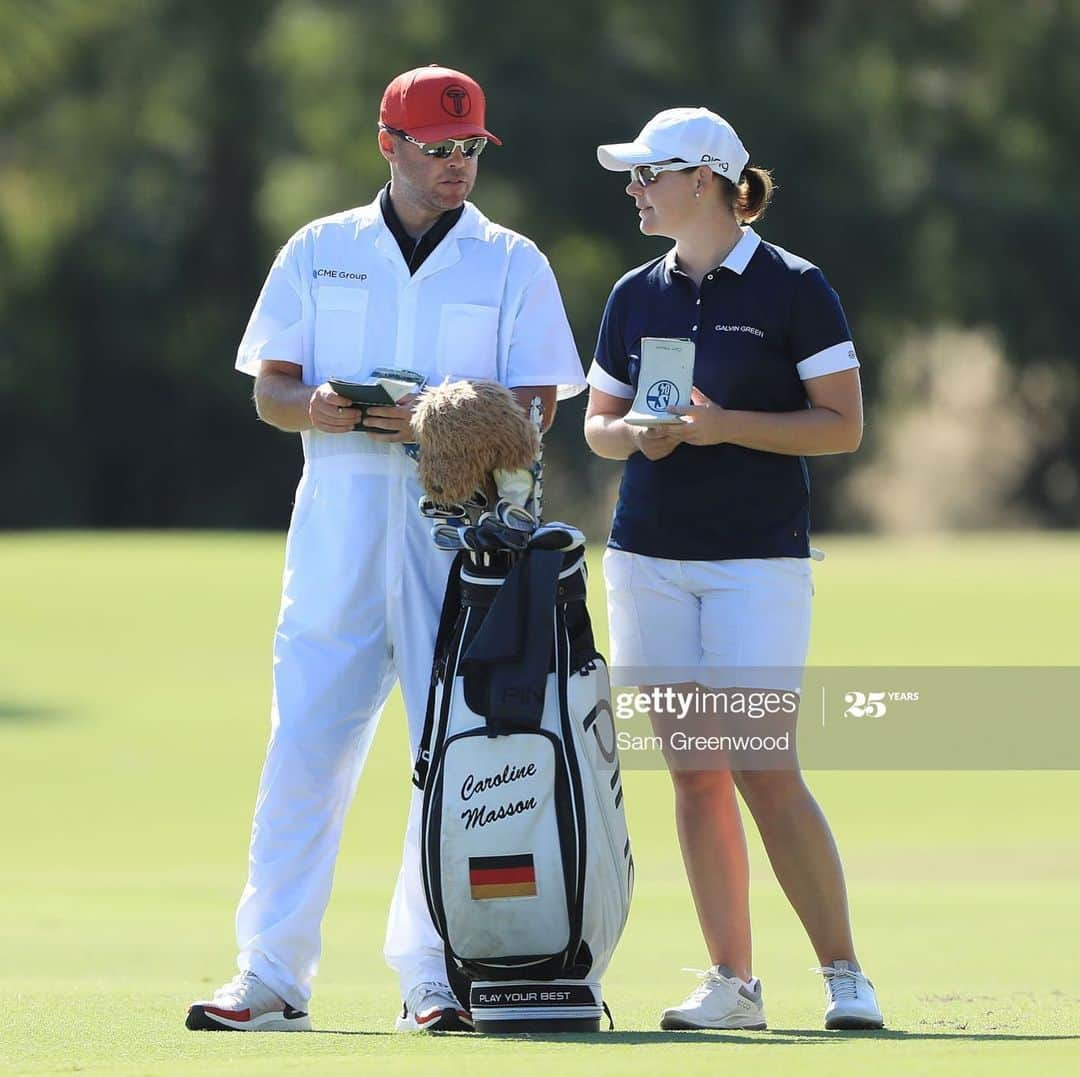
x=525, y=852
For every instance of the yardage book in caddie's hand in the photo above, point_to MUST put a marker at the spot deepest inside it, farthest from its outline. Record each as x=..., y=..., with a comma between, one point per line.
x=665, y=378
x=384, y=388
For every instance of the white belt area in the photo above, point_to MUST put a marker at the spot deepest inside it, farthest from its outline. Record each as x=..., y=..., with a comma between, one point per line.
x=355, y=452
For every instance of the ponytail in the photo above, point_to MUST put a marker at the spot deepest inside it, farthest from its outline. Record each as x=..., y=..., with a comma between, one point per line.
x=749, y=198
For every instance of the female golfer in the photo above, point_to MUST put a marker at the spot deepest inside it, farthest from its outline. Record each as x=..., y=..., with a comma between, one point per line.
x=707, y=568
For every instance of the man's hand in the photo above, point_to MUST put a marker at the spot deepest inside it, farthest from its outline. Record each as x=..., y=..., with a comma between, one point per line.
x=656, y=442
x=395, y=419
x=330, y=412
x=704, y=423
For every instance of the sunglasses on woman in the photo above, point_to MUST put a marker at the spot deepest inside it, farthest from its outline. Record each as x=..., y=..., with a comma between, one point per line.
x=646, y=174
x=470, y=147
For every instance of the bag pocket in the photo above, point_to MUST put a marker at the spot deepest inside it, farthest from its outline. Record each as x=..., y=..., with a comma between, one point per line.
x=502, y=843
x=340, y=324
x=468, y=341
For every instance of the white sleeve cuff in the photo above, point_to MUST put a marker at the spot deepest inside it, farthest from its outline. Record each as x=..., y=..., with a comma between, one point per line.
x=828, y=361
x=286, y=346
x=600, y=379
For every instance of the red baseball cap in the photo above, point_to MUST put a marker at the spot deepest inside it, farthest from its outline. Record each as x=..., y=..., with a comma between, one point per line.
x=432, y=103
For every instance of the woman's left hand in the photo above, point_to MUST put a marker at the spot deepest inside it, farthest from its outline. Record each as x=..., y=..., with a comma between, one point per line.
x=705, y=421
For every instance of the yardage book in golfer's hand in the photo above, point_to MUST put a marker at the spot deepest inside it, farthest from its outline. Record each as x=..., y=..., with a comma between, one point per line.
x=665, y=378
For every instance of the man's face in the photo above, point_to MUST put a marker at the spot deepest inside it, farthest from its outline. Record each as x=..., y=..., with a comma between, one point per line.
x=433, y=183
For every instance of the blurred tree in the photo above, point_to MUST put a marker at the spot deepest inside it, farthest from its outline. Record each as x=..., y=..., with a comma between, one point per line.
x=155, y=153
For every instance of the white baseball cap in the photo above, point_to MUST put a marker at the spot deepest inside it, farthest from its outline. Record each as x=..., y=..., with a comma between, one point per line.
x=694, y=135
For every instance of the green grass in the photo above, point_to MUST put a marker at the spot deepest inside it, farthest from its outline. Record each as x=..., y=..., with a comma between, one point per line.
x=134, y=687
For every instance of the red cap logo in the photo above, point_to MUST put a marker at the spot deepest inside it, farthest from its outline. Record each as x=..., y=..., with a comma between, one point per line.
x=455, y=100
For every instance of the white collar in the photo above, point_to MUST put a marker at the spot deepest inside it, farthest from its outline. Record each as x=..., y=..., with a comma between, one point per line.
x=738, y=258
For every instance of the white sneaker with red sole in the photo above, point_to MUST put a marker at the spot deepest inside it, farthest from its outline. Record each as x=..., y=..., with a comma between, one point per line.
x=433, y=1007
x=246, y=1004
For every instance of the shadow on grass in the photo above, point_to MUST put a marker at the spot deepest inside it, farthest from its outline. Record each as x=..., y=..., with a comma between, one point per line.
x=20, y=713
x=772, y=1038
x=903, y=1034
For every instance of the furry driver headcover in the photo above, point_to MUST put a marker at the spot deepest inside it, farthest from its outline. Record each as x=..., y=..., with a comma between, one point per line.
x=467, y=430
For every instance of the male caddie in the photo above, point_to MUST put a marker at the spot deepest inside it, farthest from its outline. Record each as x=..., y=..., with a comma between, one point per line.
x=418, y=279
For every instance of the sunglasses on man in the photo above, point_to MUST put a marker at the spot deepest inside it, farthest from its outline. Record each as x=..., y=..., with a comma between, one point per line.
x=444, y=148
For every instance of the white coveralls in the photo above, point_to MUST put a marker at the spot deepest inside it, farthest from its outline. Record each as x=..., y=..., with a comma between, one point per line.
x=363, y=583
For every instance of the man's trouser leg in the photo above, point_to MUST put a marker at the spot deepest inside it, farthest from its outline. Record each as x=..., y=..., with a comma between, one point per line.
x=332, y=674
x=413, y=948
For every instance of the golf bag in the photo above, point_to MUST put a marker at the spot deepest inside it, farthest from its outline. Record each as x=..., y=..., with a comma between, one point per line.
x=524, y=848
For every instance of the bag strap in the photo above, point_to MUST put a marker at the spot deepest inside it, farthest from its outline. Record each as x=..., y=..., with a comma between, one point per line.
x=447, y=619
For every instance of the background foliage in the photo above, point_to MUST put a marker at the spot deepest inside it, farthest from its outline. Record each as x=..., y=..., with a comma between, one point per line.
x=155, y=153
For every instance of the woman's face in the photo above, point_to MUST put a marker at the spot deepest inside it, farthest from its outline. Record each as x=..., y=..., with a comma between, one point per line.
x=667, y=205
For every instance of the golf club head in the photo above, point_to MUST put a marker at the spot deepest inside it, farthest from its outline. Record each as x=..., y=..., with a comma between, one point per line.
x=516, y=517
x=435, y=510
x=482, y=538
x=477, y=500
x=505, y=538
x=557, y=536
x=450, y=537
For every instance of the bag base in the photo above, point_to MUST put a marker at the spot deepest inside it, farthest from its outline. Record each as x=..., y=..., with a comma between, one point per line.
x=511, y=1006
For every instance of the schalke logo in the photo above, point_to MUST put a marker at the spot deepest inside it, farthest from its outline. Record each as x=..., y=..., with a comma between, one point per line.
x=662, y=395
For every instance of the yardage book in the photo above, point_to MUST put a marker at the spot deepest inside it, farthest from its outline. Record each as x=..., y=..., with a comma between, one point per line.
x=665, y=379
x=384, y=386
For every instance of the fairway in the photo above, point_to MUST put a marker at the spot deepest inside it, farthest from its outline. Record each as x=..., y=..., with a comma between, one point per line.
x=134, y=690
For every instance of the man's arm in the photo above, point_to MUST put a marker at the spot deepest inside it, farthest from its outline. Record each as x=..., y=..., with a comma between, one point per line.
x=284, y=401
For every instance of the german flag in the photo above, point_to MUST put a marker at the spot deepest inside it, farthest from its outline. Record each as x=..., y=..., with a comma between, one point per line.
x=502, y=876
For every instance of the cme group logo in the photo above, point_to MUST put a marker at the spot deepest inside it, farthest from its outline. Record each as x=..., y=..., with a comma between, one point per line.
x=662, y=395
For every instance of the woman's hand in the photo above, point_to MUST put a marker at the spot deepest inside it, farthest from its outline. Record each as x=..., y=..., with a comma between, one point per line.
x=656, y=442
x=704, y=422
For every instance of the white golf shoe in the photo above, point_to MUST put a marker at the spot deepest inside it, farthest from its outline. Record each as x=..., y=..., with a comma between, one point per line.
x=246, y=1004
x=433, y=1007
x=851, y=1001
x=721, y=1000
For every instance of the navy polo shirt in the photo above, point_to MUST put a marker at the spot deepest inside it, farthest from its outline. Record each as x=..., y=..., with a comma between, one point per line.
x=763, y=322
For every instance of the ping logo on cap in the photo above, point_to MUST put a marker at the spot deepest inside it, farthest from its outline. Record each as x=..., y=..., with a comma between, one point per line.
x=455, y=100
x=502, y=877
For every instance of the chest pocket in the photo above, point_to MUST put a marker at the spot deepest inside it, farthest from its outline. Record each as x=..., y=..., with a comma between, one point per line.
x=468, y=341
x=340, y=322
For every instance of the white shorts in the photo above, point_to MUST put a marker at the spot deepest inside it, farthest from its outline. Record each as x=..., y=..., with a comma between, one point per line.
x=722, y=624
